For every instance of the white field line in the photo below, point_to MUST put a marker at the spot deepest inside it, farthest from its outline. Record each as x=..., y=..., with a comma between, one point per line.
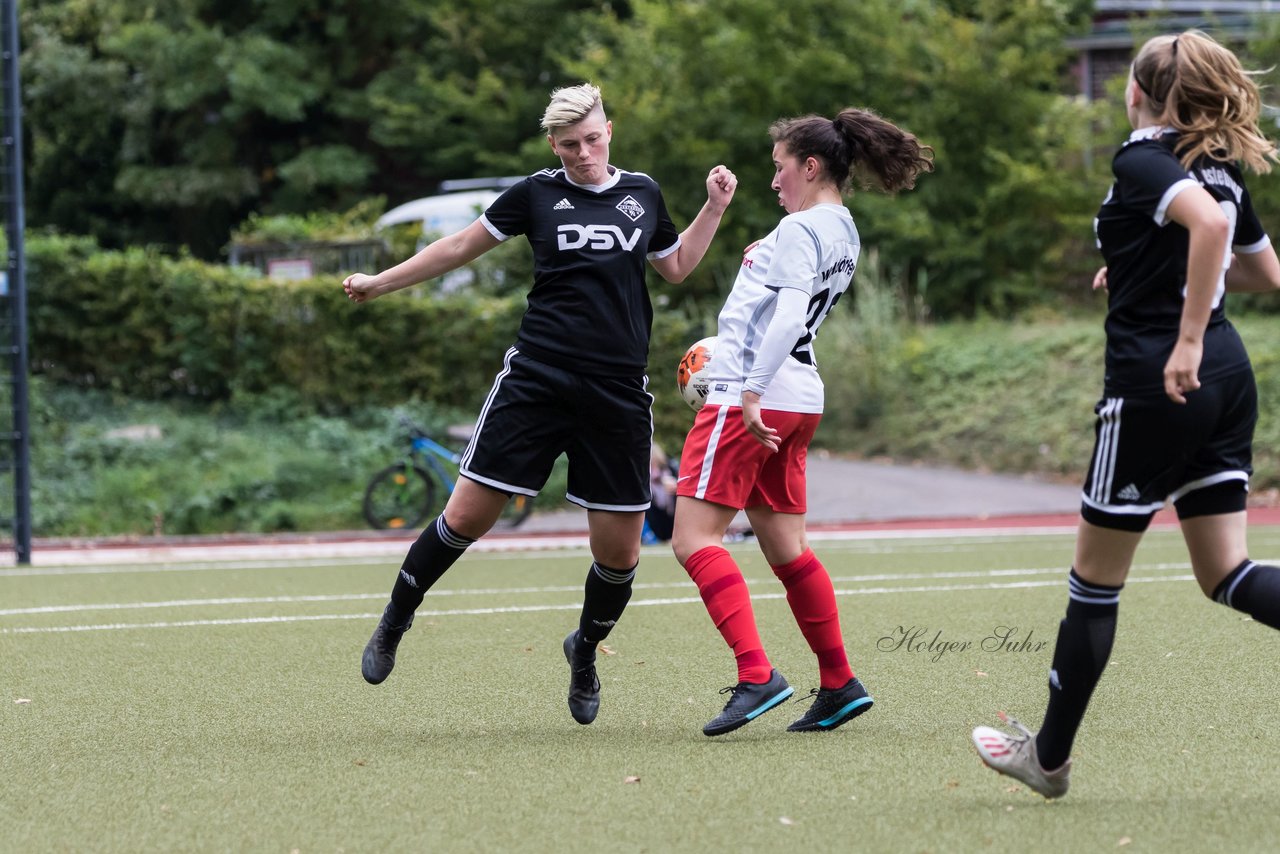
x=161, y=558
x=569, y=606
x=566, y=588
x=111, y=562
x=350, y=552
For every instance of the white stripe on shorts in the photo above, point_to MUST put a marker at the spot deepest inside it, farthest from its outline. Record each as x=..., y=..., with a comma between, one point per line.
x=709, y=457
x=1104, y=460
x=488, y=401
x=1211, y=480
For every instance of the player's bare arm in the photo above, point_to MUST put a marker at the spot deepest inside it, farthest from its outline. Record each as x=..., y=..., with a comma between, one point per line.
x=1195, y=210
x=754, y=421
x=695, y=239
x=1254, y=272
x=443, y=256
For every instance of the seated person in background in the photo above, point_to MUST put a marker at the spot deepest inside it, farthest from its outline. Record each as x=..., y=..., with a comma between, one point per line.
x=661, y=515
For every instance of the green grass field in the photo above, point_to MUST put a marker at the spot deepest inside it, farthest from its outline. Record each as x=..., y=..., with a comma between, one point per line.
x=219, y=707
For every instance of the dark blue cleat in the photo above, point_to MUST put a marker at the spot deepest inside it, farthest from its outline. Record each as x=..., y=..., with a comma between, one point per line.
x=833, y=707
x=749, y=701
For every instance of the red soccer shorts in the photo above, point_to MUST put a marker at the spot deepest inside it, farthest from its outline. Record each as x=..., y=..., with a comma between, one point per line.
x=723, y=463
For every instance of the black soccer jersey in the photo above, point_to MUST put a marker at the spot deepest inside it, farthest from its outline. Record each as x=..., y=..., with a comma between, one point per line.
x=1146, y=257
x=589, y=309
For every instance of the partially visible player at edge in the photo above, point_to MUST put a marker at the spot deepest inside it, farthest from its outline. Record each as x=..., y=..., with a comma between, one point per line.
x=748, y=444
x=1179, y=405
x=592, y=226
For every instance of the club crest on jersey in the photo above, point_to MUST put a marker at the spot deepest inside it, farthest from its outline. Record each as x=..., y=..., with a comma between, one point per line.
x=573, y=236
x=633, y=209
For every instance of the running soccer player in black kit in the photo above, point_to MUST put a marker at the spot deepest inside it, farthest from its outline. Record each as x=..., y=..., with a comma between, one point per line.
x=592, y=226
x=1176, y=419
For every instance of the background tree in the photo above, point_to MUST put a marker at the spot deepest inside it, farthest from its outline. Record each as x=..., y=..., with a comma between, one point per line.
x=171, y=124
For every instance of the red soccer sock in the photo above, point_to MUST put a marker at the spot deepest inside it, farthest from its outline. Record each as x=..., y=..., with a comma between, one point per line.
x=813, y=602
x=728, y=601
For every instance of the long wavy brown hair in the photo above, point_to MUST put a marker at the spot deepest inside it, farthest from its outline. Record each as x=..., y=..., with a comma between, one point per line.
x=1201, y=90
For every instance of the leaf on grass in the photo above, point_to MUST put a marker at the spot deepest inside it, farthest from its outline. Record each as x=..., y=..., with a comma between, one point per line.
x=784, y=820
x=638, y=663
x=1009, y=808
x=980, y=673
x=1124, y=840
x=361, y=762
x=632, y=779
x=528, y=649
x=952, y=784
x=22, y=701
x=1013, y=789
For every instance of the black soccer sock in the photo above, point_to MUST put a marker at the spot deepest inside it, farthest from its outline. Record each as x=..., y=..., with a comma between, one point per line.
x=1085, y=637
x=430, y=556
x=1253, y=588
x=607, y=593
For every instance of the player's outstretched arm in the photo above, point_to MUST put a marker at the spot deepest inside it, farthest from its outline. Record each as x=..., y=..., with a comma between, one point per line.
x=443, y=256
x=695, y=239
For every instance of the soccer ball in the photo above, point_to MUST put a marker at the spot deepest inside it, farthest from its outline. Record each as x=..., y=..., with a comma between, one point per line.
x=691, y=373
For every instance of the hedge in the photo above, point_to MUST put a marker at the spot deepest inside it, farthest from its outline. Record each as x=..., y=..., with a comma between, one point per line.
x=155, y=327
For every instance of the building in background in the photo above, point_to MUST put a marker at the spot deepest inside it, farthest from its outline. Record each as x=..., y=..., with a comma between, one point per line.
x=1107, y=50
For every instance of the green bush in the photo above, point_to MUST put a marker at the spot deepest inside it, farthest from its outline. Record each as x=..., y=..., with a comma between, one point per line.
x=141, y=324
x=105, y=464
x=276, y=401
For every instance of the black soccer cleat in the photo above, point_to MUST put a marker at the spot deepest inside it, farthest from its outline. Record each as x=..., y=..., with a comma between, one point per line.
x=749, y=701
x=584, y=685
x=380, y=653
x=833, y=707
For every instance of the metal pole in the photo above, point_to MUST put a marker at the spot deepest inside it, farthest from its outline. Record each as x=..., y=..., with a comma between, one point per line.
x=17, y=288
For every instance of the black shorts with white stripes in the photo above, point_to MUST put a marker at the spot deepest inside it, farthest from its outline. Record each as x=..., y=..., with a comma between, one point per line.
x=535, y=412
x=1150, y=450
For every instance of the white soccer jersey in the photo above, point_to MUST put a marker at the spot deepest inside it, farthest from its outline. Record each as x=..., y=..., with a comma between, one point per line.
x=814, y=251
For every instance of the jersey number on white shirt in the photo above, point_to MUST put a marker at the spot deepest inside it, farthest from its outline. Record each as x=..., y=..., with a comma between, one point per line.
x=820, y=305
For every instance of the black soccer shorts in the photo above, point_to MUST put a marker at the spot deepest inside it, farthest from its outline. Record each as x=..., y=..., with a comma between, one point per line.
x=1149, y=450
x=535, y=412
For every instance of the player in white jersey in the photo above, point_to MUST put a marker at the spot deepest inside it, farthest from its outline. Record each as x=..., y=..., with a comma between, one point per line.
x=748, y=445
x=804, y=266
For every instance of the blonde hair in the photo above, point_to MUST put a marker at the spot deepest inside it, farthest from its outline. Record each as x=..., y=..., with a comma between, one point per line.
x=570, y=105
x=1207, y=96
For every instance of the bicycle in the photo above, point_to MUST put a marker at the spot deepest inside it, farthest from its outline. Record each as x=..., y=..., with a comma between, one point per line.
x=404, y=494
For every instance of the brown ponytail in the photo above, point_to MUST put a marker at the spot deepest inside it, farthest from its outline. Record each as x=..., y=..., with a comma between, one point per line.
x=857, y=142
